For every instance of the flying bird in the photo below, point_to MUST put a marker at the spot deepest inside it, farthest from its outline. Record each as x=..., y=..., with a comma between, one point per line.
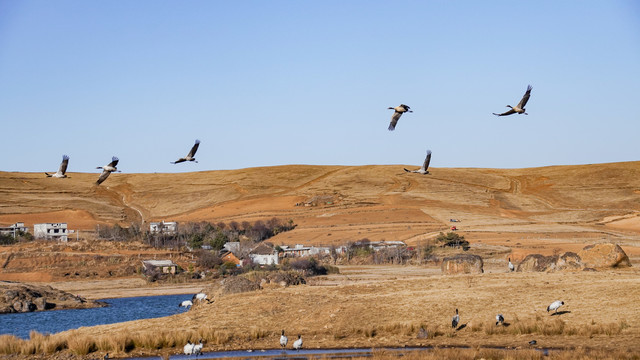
x=520, y=107
x=511, y=267
x=283, y=340
x=107, y=170
x=423, y=170
x=499, y=319
x=455, y=320
x=62, y=169
x=298, y=343
x=399, y=110
x=190, y=155
x=555, y=305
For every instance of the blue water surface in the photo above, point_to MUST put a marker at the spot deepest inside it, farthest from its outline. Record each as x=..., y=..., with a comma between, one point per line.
x=119, y=310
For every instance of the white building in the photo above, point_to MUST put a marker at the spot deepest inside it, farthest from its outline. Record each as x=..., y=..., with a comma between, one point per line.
x=51, y=231
x=13, y=229
x=264, y=254
x=165, y=227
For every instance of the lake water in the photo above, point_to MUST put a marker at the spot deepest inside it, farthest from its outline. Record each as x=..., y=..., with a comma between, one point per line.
x=119, y=310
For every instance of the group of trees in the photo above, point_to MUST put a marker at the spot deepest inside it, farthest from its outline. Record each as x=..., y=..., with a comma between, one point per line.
x=8, y=239
x=198, y=234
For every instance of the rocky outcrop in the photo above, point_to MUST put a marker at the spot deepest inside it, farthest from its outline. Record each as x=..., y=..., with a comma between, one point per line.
x=18, y=297
x=588, y=259
x=605, y=255
x=462, y=264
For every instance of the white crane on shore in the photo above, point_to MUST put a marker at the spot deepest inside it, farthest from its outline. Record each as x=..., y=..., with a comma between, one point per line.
x=283, y=340
x=298, y=343
x=499, y=319
x=511, y=267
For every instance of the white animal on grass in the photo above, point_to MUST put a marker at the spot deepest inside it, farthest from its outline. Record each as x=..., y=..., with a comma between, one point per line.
x=511, y=267
x=555, y=305
x=186, y=303
x=499, y=319
x=283, y=340
x=455, y=320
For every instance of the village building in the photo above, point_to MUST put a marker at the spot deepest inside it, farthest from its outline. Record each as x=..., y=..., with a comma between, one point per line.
x=51, y=231
x=264, y=254
x=163, y=266
x=164, y=227
x=13, y=229
x=229, y=257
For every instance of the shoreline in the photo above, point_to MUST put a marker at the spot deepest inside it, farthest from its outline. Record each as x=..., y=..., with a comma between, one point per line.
x=122, y=287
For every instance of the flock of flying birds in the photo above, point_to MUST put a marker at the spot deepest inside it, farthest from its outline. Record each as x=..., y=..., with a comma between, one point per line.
x=111, y=167
x=398, y=111
x=402, y=108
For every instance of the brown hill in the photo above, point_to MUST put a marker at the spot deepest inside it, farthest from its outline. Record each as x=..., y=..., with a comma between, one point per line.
x=335, y=204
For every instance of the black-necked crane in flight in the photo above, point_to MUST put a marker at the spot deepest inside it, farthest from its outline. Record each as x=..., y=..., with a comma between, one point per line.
x=520, y=107
x=425, y=166
x=61, y=173
x=398, y=111
x=107, y=170
x=191, y=155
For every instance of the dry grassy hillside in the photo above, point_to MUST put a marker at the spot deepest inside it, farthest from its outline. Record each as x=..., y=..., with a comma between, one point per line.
x=588, y=202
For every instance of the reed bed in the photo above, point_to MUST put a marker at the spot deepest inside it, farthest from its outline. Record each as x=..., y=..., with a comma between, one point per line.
x=150, y=341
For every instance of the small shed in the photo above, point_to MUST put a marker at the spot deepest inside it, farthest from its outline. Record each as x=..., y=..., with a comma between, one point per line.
x=227, y=256
x=163, y=266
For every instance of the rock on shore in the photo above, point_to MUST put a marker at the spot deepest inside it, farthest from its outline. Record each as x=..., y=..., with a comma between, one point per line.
x=18, y=297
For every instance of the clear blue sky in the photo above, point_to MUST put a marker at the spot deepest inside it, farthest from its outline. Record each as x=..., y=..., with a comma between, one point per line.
x=264, y=83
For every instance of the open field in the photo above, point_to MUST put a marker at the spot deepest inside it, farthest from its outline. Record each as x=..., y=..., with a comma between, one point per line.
x=503, y=213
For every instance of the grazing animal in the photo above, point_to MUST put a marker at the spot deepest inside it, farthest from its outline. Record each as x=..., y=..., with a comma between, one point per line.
x=197, y=348
x=520, y=107
x=425, y=166
x=190, y=155
x=499, y=319
x=298, y=343
x=107, y=170
x=511, y=267
x=188, y=348
x=555, y=305
x=283, y=340
x=186, y=303
x=62, y=169
x=399, y=110
x=455, y=320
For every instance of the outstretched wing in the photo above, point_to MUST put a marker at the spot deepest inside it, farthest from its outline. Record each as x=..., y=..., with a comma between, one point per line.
x=105, y=174
x=114, y=162
x=63, y=165
x=511, y=111
x=525, y=98
x=394, y=120
x=194, y=149
x=427, y=160
x=179, y=161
